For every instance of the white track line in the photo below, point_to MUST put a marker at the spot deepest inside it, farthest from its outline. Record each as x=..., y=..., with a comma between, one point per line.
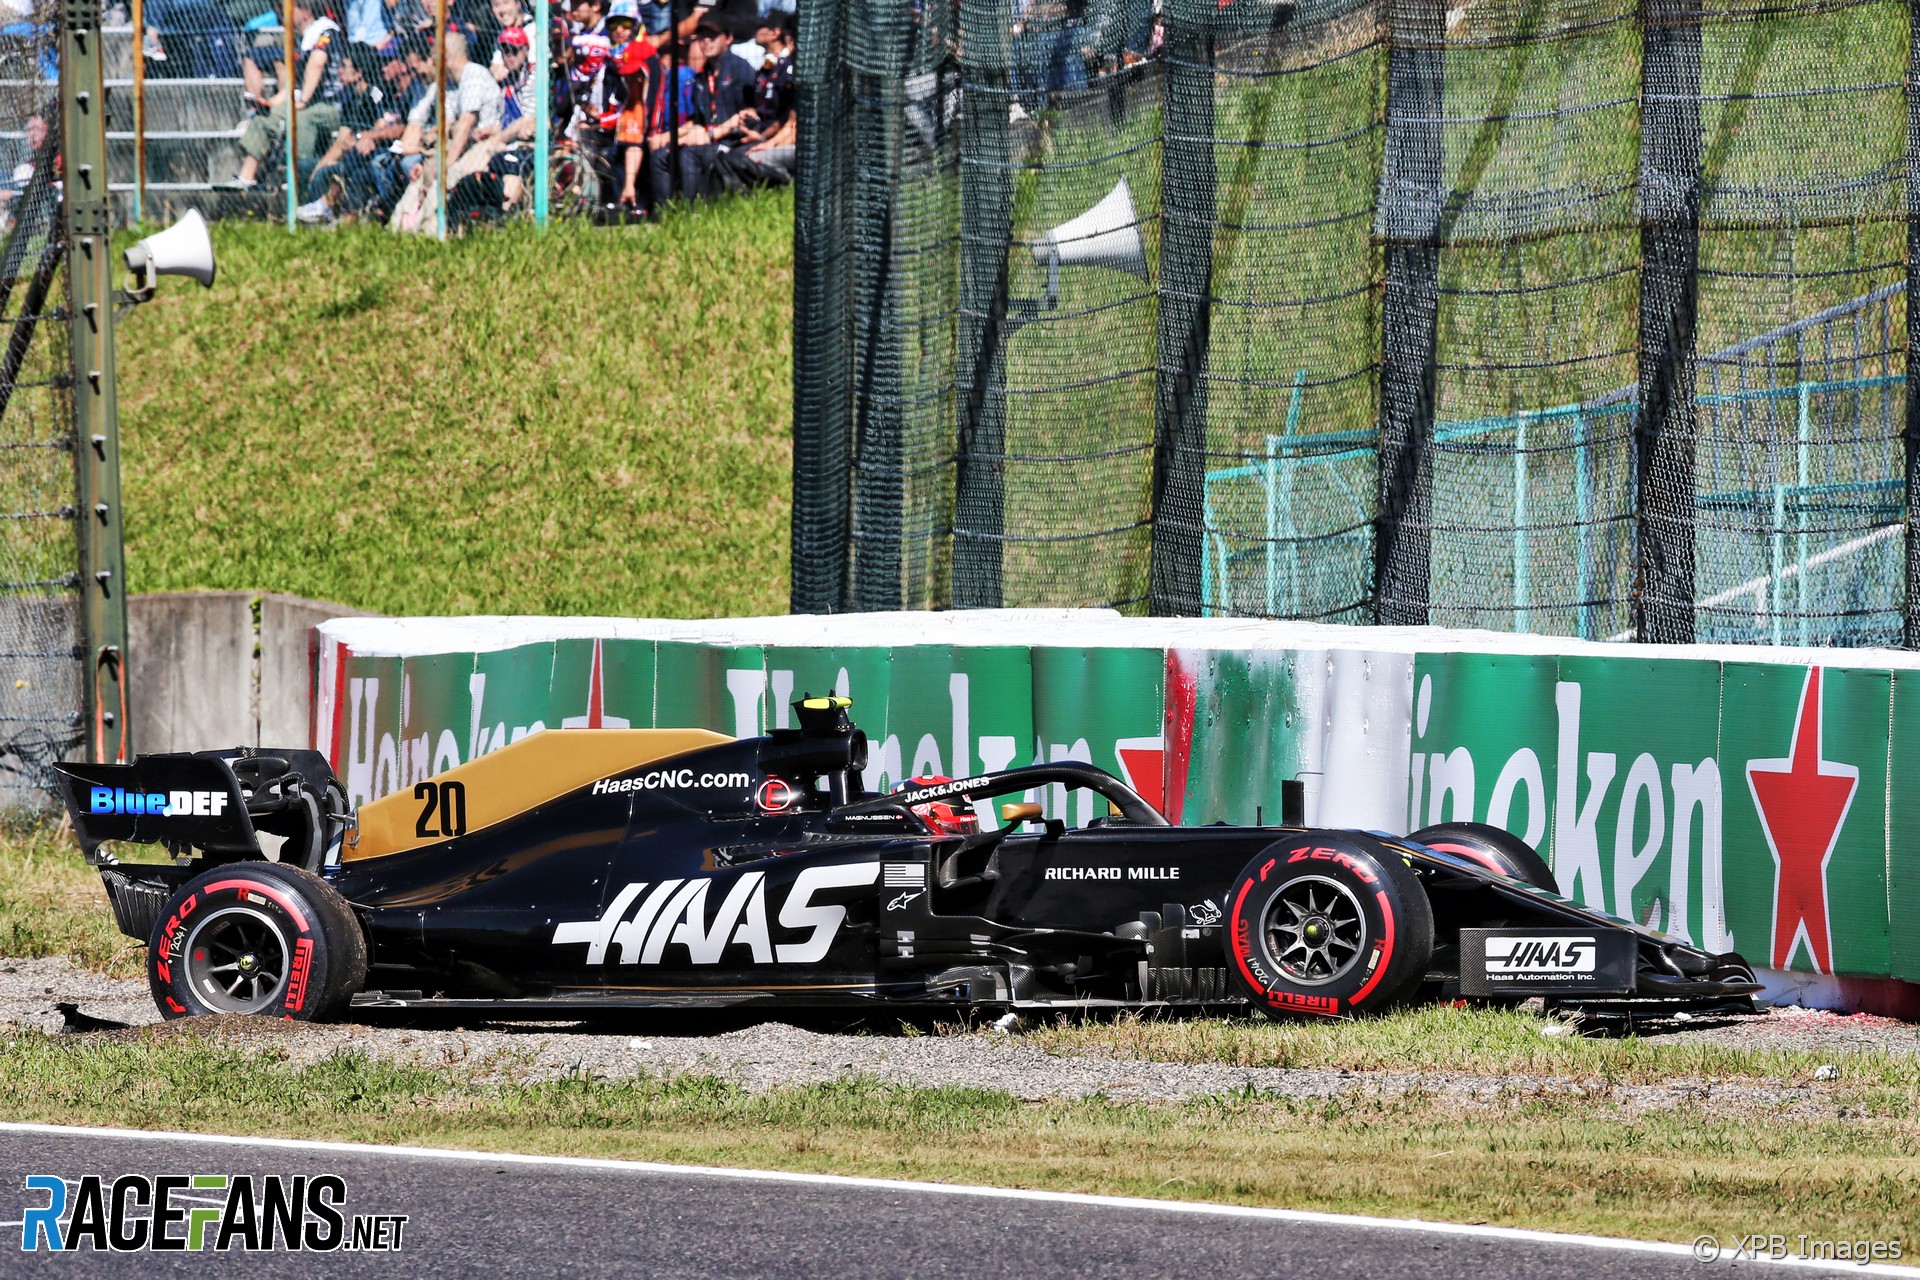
x=1301, y=1216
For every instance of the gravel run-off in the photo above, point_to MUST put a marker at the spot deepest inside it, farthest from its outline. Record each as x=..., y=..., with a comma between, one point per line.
x=767, y=1054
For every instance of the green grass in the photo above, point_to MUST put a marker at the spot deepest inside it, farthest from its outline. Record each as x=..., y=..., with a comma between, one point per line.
x=585, y=421
x=52, y=903
x=1580, y=1164
x=1442, y=1038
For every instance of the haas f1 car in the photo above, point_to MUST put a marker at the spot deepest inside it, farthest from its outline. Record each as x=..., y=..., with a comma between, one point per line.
x=593, y=868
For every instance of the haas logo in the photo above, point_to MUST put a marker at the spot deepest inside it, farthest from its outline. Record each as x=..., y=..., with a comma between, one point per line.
x=1513, y=957
x=644, y=920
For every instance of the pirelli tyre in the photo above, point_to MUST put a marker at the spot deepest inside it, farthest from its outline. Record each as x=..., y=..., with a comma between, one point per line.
x=1327, y=924
x=256, y=938
x=1492, y=848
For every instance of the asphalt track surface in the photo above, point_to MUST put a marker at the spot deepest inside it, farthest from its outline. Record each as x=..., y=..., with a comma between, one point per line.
x=492, y=1216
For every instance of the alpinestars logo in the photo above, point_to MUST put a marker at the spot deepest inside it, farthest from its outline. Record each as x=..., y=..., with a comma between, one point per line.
x=1802, y=799
x=1532, y=957
x=674, y=913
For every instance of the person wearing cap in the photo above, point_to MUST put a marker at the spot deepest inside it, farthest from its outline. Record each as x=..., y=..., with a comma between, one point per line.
x=634, y=62
x=695, y=98
x=498, y=188
x=507, y=16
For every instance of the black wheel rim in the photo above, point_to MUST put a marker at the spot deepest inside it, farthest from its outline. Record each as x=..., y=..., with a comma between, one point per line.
x=1315, y=930
x=236, y=960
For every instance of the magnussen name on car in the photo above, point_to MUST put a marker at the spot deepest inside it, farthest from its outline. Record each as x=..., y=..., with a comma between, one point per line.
x=1535, y=957
x=669, y=779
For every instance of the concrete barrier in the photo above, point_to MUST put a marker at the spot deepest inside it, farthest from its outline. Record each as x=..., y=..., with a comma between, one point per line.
x=222, y=668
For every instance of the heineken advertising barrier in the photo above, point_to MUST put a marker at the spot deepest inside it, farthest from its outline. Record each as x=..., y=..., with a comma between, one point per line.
x=1741, y=798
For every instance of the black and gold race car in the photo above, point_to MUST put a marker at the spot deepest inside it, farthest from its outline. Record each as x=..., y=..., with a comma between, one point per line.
x=591, y=868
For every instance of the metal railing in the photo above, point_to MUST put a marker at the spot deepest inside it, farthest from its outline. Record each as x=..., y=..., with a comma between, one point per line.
x=1816, y=542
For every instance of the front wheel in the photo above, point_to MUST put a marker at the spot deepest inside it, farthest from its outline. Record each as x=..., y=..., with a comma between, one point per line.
x=256, y=938
x=1329, y=924
x=1497, y=850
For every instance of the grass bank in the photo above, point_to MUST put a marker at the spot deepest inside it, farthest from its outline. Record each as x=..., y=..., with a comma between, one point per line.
x=1554, y=1163
x=585, y=421
x=52, y=904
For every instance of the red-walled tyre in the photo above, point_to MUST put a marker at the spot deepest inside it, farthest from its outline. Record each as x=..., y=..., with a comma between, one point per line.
x=1492, y=848
x=1327, y=924
x=256, y=938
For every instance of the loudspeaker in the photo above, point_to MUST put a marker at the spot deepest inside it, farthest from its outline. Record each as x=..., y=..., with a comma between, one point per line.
x=1107, y=235
x=183, y=249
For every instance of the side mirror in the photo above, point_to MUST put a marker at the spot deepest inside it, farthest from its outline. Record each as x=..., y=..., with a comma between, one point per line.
x=1019, y=812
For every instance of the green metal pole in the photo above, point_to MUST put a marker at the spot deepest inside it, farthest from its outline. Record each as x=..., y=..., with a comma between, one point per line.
x=440, y=120
x=540, y=36
x=96, y=418
x=292, y=91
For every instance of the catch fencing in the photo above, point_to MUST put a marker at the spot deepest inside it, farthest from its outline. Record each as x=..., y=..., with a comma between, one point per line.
x=40, y=634
x=1575, y=317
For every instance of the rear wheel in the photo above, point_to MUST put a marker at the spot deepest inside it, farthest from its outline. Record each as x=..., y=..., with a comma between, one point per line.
x=256, y=938
x=1495, y=849
x=1327, y=924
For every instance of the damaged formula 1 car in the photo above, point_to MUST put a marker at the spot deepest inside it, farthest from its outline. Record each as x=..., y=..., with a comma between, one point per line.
x=591, y=868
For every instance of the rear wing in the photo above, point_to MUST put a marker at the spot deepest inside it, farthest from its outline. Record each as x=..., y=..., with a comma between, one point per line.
x=175, y=800
x=211, y=801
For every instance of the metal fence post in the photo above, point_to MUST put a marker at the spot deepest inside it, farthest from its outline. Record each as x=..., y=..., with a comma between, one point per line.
x=1188, y=194
x=139, y=110
x=541, y=40
x=1668, y=421
x=1411, y=207
x=96, y=420
x=291, y=91
x=440, y=118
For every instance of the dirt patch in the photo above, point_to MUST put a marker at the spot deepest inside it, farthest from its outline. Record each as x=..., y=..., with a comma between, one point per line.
x=767, y=1054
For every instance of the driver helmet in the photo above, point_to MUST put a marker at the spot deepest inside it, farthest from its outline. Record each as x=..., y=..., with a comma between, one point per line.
x=948, y=819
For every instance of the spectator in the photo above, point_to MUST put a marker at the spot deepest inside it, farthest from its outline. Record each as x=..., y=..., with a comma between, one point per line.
x=508, y=16
x=347, y=177
x=475, y=103
x=767, y=157
x=367, y=25
x=19, y=164
x=474, y=108
x=634, y=63
x=746, y=46
x=730, y=80
x=596, y=96
x=189, y=39
x=585, y=18
x=408, y=15
x=694, y=98
x=492, y=189
x=316, y=96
